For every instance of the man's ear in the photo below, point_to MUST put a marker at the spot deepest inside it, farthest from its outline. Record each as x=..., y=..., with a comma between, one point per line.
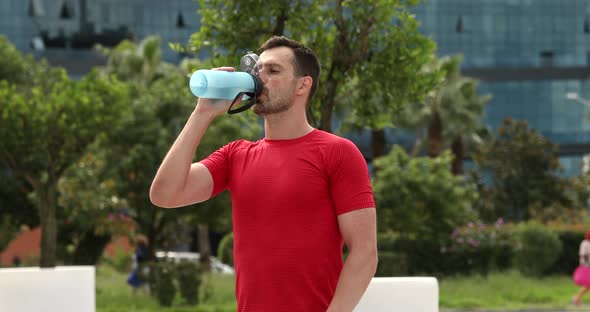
x=304, y=84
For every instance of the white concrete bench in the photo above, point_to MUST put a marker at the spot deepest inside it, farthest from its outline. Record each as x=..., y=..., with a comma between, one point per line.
x=63, y=289
x=404, y=294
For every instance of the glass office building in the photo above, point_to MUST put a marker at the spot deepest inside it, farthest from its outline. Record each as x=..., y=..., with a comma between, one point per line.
x=52, y=28
x=528, y=54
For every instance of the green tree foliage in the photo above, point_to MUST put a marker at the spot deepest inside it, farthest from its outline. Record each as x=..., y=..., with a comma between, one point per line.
x=15, y=208
x=47, y=130
x=537, y=249
x=419, y=197
x=451, y=113
x=91, y=213
x=14, y=67
x=161, y=104
x=47, y=123
x=523, y=168
x=373, y=57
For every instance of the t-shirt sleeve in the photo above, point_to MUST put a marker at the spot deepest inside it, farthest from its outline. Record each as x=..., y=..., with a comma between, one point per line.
x=218, y=165
x=350, y=183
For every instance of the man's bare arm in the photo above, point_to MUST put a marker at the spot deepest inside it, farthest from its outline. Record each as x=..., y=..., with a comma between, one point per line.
x=359, y=231
x=178, y=181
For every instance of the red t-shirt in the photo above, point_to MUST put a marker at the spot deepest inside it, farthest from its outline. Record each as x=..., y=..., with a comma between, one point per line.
x=286, y=196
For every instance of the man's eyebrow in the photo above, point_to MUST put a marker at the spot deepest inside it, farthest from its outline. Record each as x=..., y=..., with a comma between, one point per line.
x=271, y=64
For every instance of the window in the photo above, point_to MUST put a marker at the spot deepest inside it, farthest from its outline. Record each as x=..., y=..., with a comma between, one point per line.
x=35, y=8
x=138, y=15
x=459, y=25
x=547, y=58
x=105, y=12
x=66, y=11
x=180, y=21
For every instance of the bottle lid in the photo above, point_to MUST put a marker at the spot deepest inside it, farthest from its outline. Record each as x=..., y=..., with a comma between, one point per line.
x=198, y=83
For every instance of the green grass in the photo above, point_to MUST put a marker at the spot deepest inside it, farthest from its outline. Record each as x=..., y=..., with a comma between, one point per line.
x=498, y=291
x=113, y=294
x=509, y=290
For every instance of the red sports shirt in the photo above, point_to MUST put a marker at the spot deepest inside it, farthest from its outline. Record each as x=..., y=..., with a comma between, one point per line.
x=286, y=196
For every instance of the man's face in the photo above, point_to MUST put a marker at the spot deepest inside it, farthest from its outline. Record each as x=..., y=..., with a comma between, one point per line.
x=278, y=77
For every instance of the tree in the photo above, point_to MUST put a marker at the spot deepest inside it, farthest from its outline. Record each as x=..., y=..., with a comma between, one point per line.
x=16, y=209
x=451, y=112
x=91, y=213
x=47, y=124
x=428, y=202
x=523, y=169
x=372, y=53
x=161, y=105
x=13, y=65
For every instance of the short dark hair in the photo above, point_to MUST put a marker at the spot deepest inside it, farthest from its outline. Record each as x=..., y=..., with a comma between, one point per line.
x=305, y=62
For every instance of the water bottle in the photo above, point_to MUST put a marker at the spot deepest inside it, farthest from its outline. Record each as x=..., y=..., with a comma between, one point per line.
x=218, y=84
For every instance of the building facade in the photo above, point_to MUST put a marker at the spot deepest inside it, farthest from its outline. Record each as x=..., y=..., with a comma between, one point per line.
x=529, y=54
x=64, y=31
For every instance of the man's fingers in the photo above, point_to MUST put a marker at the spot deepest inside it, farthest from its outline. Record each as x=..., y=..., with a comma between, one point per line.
x=225, y=68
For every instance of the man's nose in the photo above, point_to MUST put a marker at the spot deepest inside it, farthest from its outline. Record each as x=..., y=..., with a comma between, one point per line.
x=261, y=75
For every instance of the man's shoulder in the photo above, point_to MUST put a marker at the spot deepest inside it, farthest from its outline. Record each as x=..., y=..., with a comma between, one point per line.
x=335, y=140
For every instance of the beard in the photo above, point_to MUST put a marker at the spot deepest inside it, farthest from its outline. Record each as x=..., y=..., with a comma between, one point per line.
x=274, y=102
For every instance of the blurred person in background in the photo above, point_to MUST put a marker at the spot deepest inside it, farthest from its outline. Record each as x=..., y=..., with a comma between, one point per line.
x=582, y=273
x=139, y=270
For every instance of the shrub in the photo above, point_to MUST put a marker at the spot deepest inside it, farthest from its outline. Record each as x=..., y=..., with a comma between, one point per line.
x=161, y=281
x=120, y=261
x=391, y=264
x=570, y=235
x=536, y=250
x=225, y=251
x=480, y=248
x=428, y=202
x=188, y=276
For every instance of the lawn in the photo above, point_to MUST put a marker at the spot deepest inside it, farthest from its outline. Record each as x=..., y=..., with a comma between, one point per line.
x=114, y=295
x=509, y=291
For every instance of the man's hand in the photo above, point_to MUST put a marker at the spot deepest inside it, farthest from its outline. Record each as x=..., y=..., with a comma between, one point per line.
x=214, y=107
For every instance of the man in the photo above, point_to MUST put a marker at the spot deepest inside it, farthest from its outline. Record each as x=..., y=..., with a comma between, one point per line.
x=297, y=194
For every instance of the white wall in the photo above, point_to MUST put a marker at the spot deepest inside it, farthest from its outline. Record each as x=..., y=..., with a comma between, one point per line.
x=407, y=294
x=63, y=289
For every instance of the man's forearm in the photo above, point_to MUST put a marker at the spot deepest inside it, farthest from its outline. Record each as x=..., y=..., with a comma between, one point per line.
x=175, y=167
x=357, y=272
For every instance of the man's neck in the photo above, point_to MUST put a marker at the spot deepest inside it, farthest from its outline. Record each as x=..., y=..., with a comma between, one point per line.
x=286, y=126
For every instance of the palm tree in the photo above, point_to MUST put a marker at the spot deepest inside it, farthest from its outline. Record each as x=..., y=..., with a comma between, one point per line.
x=138, y=62
x=451, y=113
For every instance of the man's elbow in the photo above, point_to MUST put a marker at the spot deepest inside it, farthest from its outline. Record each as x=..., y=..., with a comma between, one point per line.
x=373, y=260
x=367, y=258
x=159, y=199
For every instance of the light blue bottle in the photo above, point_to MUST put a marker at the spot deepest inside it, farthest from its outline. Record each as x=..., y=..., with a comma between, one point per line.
x=218, y=84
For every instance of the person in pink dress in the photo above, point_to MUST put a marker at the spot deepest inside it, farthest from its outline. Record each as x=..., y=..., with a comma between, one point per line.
x=582, y=273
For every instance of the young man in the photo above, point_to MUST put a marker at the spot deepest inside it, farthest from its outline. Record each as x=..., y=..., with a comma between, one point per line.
x=297, y=194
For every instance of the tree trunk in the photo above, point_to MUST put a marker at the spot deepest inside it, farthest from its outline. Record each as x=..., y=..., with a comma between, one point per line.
x=90, y=248
x=435, y=130
x=47, y=201
x=458, y=149
x=204, y=247
x=327, y=106
x=378, y=142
